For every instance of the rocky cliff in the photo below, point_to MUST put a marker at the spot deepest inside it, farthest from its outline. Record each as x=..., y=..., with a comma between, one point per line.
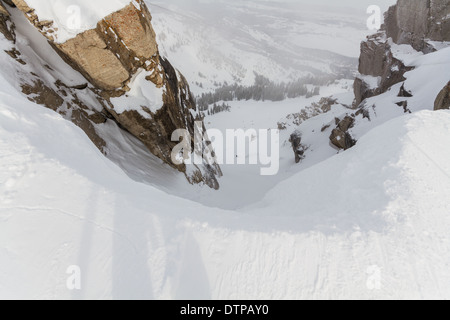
x=412, y=22
x=5, y=23
x=423, y=25
x=126, y=81
x=416, y=22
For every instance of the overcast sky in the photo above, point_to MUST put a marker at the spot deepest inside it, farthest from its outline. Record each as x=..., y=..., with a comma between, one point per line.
x=347, y=3
x=356, y=5
x=335, y=3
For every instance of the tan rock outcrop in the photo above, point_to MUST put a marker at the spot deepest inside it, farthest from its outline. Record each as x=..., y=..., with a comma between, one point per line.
x=55, y=96
x=111, y=53
x=443, y=99
x=89, y=54
x=108, y=56
x=340, y=137
x=297, y=146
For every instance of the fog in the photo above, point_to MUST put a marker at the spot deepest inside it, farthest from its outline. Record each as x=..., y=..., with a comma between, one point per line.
x=337, y=4
x=217, y=41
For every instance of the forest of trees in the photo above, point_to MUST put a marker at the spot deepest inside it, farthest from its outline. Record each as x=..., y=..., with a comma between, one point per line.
x=215, y=108
x=263, y=89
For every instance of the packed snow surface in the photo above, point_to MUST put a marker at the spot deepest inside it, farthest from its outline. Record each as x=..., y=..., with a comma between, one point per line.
x=372, y=222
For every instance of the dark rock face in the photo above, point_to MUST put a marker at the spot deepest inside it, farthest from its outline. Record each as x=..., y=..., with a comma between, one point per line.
x=404, y=105
x=39, y=93
x=340, y=137
x=297, y=146
x=6, y=26
x=109, y=56
x=362, y=91
x=404, y=93
x=412, y=22
x=443, y=99
x=374, y=59
x=377, y=60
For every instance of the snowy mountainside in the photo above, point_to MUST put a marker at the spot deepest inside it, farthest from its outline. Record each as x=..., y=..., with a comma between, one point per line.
x=304, y=115
x=433, y=67
x=384, y=107
x=217, y=42
x=123, y=148
x=368, y=223
x=134, y=241
x=127, y=83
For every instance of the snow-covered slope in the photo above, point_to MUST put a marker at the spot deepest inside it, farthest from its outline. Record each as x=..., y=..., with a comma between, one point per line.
x=316, y=130
x=213, y=42
x=375, y=217
x=433, y=67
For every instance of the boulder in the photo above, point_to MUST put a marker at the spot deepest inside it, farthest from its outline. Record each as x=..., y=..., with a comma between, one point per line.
x=297, y=146
x=110, y=54
x=340, y=137
x=443, y=99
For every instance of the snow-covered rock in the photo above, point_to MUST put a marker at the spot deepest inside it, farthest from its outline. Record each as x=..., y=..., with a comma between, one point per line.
x=340, y=137
x=415, y=24
x=124, y=75
x=377, y=60
x=5, y=23
x=393, y=79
